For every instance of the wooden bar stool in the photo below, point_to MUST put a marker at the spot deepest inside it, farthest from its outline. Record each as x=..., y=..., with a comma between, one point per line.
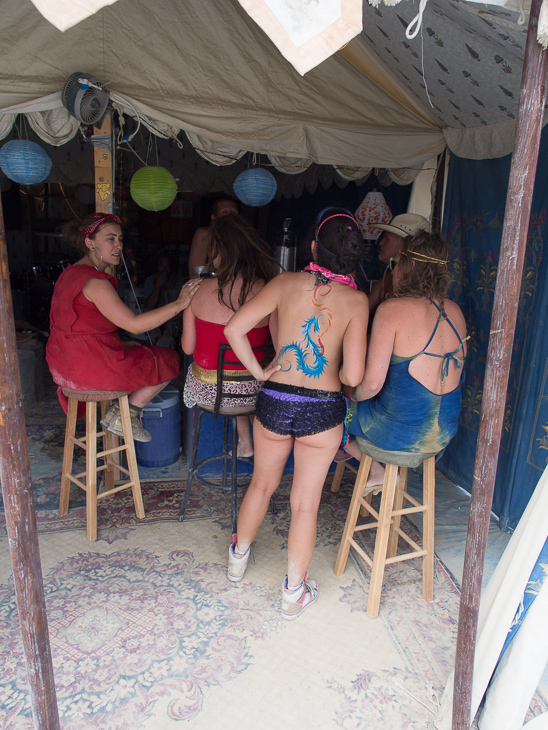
x=338, y=475
x=110, y=454
x=388, y=519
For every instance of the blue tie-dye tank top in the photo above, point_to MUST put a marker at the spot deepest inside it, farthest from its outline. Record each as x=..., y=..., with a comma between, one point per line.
x=405, y=415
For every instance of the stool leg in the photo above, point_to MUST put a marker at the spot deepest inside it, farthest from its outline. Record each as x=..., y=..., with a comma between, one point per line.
x=197, y=423
x=381, y=541
x=352, y=516
x=337, y=477
x=68, y=456
x=110, y=441
x=234, y=475
x=91, y=470
x=429, y=491
x=392, y=550
x=131, y=458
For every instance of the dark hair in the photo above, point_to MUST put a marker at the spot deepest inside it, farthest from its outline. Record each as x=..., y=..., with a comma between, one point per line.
x=226, y=199
x=339, y=240
x=423, y=267
x=240, y=250
x=73, y=232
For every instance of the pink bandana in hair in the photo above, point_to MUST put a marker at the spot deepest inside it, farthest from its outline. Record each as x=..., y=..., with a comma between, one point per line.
x=100, y=219
x=324, y=275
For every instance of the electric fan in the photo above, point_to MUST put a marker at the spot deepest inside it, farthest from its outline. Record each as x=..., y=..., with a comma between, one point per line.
x=85, y=97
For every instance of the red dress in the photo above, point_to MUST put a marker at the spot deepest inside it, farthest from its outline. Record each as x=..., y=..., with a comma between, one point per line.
x=84, y=351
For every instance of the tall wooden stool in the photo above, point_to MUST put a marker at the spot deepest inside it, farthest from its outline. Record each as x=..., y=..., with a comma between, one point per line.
x=388, y=519
x=339, y=472
x=110, y=454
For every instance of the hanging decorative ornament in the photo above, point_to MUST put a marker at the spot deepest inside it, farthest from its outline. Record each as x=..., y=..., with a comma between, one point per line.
x=24, y=162
x=373, y=209
x=255, y=186
x=153, y=188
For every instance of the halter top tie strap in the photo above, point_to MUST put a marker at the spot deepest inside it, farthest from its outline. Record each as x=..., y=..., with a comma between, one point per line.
x=448, y=357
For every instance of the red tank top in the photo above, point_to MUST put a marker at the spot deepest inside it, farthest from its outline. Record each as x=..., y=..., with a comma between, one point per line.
x=209, y=335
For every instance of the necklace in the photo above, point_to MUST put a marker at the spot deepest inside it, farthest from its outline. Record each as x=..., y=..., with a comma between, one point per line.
x=323, y=276
x=92, y=264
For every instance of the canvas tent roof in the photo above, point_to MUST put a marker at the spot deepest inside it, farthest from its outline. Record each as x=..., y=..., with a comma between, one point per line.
x=208, y=69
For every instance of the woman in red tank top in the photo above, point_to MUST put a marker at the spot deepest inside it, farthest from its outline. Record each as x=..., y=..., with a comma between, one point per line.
x=240, y=264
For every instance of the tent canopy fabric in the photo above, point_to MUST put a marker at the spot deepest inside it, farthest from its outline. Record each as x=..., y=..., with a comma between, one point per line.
x=206, y=68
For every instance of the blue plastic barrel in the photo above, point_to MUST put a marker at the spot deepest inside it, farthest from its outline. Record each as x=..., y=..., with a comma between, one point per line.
x=162, y=419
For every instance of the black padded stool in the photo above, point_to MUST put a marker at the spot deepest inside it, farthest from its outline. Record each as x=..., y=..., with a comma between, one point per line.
x=229, y=415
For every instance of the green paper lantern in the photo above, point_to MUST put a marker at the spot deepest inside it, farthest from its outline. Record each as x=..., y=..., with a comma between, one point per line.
x=153, y=188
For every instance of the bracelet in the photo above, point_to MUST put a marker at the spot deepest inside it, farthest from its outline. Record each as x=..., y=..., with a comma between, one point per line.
x=352, y=395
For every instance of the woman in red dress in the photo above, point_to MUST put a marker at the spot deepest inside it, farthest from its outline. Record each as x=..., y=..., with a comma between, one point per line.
x=84, y=350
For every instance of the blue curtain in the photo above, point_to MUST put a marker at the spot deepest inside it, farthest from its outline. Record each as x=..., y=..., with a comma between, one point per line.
x=473, y=218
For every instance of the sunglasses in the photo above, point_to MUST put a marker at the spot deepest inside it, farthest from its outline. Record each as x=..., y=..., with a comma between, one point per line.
x=392, y=263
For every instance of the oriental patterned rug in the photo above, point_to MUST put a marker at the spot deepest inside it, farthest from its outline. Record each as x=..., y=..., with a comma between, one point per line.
x=147, y=632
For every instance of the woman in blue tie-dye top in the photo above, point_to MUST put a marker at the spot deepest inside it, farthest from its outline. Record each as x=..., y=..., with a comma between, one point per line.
x=410, y=397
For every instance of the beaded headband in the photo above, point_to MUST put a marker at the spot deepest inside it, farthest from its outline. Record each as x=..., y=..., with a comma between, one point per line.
x=100, y=219
x=423, y=258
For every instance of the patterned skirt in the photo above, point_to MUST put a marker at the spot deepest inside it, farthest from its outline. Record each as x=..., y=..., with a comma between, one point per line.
x=198, y=391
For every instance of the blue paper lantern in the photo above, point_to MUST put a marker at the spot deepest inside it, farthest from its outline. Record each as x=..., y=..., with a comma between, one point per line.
x=24, y=162
x=255, y=187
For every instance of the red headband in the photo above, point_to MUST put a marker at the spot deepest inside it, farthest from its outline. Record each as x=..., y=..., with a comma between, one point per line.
x=101, y=218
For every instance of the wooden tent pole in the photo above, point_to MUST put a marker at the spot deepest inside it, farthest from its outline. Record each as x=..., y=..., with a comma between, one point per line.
x=104, y=172
x=20, y=516
x=499, y=354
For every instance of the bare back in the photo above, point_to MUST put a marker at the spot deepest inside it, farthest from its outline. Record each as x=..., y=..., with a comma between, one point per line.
x=414, y=322
x=208, y=307
x=317, y=326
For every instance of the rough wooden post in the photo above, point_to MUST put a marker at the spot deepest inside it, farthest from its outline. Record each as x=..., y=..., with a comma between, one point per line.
x=499, y=354
x=20, y=517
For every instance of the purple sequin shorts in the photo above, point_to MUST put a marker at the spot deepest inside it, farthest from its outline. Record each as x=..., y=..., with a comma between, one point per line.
x=289, y=410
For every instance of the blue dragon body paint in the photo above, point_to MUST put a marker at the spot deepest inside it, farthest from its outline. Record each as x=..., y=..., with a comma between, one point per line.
x=310, y=357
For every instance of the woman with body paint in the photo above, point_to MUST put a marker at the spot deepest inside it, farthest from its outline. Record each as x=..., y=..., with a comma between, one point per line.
x=319, y=325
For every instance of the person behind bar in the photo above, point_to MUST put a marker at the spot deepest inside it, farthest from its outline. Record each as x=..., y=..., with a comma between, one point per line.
x=200, y=240
x=160, y=289
x=320, y=342
x=242, y=266
x=406, y=224
x=84, y=350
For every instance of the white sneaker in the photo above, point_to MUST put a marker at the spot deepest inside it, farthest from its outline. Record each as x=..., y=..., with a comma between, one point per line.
x=295, y=602
x=237, y=565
